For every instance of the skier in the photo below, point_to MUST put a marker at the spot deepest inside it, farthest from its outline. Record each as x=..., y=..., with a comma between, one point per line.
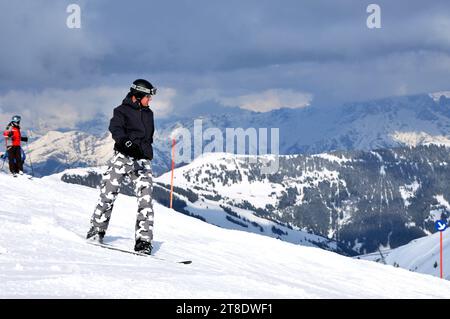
x=132, y=128
x=14, y=150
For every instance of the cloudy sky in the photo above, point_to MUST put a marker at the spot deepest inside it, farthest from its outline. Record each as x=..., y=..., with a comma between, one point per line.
x=255, y=54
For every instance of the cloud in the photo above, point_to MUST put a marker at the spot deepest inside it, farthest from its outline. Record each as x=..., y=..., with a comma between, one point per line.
x=227, y=49
x=57, y=108
x=51, y=109
x=269, y=100
x=40, y=51
x=162, y=104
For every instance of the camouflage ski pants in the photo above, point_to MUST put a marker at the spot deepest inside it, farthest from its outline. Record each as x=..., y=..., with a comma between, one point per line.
x=140, y=173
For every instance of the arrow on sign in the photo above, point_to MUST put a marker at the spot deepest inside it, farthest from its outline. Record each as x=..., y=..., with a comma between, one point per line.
x=441, y=226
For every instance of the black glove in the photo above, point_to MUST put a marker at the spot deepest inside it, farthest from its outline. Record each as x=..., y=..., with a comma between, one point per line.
x=10, y=134
x=129, y=148
x=24, y=139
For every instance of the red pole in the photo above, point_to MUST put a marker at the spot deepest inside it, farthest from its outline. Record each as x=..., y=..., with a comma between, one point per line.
x=173, y=167
x=441, y=258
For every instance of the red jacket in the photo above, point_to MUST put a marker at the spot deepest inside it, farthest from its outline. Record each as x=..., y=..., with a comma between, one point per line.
x=14, y=135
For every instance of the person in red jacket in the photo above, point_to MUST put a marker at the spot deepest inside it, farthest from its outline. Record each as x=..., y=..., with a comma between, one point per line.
x=13, y=138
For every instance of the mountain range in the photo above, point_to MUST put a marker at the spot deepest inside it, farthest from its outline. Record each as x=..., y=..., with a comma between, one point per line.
x=385, y=123
x=363, y=199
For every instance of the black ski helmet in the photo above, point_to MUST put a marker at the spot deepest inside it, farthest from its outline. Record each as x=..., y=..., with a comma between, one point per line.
x=16, y=119
x=141, y=88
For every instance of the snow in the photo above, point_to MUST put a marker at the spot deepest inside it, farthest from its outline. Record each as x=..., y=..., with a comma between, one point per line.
x=72, y=146
x=44, y=255
x=434, y=215
x=82, y=172
x=420, y=138
x=408, y=191
x=383, y=170
x=437, y=95
x=437, y=211
x=258, y=193
x=333, y=158
x=214, y=214
x=442, y=201
x=380, y=158
x=420, y=255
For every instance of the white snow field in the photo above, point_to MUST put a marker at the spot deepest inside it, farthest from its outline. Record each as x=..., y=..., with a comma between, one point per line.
x=43, y=255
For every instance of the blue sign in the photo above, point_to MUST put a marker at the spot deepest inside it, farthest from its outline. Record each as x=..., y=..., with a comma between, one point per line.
x=440, y=225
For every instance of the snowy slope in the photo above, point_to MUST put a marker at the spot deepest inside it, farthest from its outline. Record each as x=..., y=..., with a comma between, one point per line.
x=43, y=254
x=257, y=193
x=420, y=255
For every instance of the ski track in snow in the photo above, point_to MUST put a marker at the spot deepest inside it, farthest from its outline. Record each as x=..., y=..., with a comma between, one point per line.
x=43, y=255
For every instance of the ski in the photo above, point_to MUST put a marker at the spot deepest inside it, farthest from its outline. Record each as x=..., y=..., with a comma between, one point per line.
x=107, y=246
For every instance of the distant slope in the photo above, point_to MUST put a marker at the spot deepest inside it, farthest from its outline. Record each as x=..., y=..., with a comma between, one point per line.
x=420, y=255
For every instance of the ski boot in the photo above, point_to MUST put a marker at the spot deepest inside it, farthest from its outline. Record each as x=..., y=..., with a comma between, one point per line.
x=143, y=247
x=95, y=235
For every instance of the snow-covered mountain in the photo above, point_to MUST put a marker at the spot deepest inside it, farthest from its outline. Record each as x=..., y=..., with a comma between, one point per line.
x=43, y=255
x=420, y=138
x=352, y=126
x=365, y=200
x=57, y=151
x=436, y=96
x=384, y=123
x=420, y=255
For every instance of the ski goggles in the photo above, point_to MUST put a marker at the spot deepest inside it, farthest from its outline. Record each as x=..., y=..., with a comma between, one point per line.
x=145, y=90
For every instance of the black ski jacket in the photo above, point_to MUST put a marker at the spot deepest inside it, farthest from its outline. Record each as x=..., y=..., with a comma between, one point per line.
x=133, y=122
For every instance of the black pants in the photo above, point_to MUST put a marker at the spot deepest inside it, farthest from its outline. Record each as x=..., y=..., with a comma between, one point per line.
x=15, y=159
